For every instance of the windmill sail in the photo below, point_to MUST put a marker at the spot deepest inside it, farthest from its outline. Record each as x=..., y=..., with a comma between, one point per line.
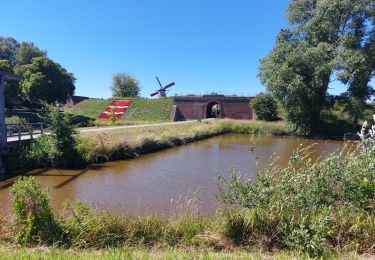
x=162, y=89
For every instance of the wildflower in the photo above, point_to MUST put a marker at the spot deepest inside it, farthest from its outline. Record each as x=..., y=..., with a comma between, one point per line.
x=362, y=134
x=372, y=132
x=367, y=137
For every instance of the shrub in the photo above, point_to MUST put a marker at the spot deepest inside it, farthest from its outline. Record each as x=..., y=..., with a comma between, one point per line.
x=265, y=107
x=306, y=186
x=42, y=151
x=113, y=116
x=86, y=148
x=318, y=205
x=17, y=159
x=34, y=218
x=63, y=152
x=60, y=148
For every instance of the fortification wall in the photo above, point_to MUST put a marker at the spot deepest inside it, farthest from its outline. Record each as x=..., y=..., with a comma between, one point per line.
x=199, y=107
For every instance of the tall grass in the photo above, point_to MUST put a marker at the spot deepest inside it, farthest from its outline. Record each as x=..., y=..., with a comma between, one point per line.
x=85, y=228
x=127, y=143
x=309, y=206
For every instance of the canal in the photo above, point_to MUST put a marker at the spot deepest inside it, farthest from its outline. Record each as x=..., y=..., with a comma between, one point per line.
x=163, y=182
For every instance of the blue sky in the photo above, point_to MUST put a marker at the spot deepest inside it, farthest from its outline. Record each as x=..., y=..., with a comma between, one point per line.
x=202, y=45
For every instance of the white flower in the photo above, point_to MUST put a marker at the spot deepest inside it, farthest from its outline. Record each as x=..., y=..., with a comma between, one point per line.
x=372, y=132
x=364, y=134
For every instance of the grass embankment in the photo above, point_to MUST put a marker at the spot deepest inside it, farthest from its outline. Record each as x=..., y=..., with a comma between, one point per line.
x=140, y=112
x=149, y=110
x=124, y=143
x=91, y=108
x=129, y=142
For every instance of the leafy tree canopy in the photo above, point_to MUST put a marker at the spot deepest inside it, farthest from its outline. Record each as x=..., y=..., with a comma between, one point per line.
x=124, y=85
x=5, y=66
x=45, y=80
x=12, y=88
x=26, y=52
x=8, y=48
x=326, y=38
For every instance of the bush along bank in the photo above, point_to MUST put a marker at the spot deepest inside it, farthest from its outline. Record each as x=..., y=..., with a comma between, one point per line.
x=314, y=208
x=58, y=149
x=64, y=149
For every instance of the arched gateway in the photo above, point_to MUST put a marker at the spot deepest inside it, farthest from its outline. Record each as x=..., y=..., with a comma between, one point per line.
x=213, y=110
x=211, y=106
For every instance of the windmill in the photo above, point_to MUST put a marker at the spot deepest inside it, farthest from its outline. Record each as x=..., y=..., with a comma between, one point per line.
x=163, y=90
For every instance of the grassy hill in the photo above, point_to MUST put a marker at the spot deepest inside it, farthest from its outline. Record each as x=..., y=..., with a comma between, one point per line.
x=150, y=110
x=141, y=110
x=89, y=108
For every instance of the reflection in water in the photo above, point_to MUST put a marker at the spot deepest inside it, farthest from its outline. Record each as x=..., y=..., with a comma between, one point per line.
x=149, y=183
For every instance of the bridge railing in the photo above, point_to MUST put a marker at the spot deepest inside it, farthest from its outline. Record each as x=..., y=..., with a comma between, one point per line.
x=217, y=93
x=24, y=131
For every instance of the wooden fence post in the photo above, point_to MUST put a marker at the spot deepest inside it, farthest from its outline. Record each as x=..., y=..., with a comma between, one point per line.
x=31, y=131
x=19, y=135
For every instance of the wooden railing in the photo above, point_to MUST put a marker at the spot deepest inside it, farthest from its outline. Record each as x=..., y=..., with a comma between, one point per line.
x=25, y=131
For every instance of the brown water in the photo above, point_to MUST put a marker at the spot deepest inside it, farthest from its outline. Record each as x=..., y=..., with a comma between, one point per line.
x=152, y=183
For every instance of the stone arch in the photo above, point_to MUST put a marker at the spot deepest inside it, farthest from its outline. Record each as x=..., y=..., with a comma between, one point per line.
x=214, y=109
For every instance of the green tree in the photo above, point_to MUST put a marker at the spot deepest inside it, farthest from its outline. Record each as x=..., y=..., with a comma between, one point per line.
x=8, y=48
x=265, y=107
x=325, y=38
x=63, y=152
x=26, y=52
x=12, y=88
x=297, y=75
x=6, y=66
x=124, y=85
x=46, y=81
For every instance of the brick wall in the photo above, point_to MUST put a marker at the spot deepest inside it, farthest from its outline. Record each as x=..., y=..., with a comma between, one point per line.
x=195, y=107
